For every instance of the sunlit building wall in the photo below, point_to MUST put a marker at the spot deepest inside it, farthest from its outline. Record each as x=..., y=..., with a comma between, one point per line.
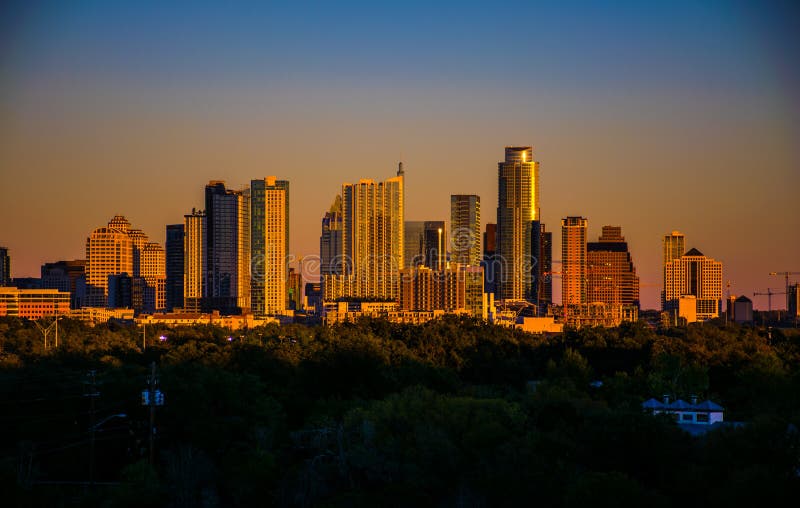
x=269, y=252
x=697, y=275
x=517, y=208
x=194, y=260
x=465, y=229
x=573, y=261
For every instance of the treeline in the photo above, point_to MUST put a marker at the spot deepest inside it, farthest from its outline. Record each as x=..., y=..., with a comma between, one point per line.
x=450, y=413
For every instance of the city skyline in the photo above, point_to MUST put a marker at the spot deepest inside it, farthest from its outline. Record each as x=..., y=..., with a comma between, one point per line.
x=665, y=134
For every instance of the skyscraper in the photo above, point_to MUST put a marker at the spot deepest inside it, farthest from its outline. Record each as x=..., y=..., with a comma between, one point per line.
x=174, y=252
x=5, y=267
x=425, y=243
x=414, y=243
x=227, y=249
x=698, y=277
x=673, y=247
x=517, y=208
x=490, y=264
x=611, y=275
x=269, y=251
x=543, y=268
x=331, y=251
x=109, y=251
x=194, y=261
x=372, y=240
x=120, y=251
x=465, y=229
x=68, y=276
x=573, y=261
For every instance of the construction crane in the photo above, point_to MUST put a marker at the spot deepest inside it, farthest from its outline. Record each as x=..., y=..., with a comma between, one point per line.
x=769, y=294
x=786, y=278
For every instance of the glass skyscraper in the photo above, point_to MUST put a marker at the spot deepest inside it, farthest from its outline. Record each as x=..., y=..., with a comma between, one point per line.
x=517, y=209
x=174, y=253
x=465, y=229
x=269, y=246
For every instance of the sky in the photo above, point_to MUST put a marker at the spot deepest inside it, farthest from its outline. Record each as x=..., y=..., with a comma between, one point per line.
x=653, y=116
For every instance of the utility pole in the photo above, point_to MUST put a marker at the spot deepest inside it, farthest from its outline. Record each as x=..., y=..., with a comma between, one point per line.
x=93, y=394
x=152, y=397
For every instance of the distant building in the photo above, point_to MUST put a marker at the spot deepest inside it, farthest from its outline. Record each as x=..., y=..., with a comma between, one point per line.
x=673, y=247
x=694, y=274
x=490, y=263
x=573, y=261
x=33, y=303
x=372, y=241
x=794, y=299
x=194, y=261
x=26, y=282
x=69, y=276
x=227, y=249
x=331, y=250
x=517, y=209
x=611, y=276
x=269, y=246
x=543, y=279
x=294, y=288
x=118, y=249
x=457, y=288
x=5, y=267
x=425, y=244
x=688, y=415
x=174, y=271
x=465, y=229
x=743, y=310
x=312, y=297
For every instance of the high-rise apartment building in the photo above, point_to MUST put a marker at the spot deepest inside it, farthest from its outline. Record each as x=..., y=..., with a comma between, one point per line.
x=194, y=261
x=465, y=229
x=458, y=288
x=174, y=252
x=694, y=276
x=269, y=252
x=573, y=261
x=153, y=271
x=331, y=250
x=517, y=208
x=227, y=249
x=5, y=267
x=372, y=241
x=611, y=275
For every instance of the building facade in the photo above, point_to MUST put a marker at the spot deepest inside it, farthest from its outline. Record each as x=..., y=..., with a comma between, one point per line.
x=269, y=251
x=331, y=250
x=517, y=208
x=194, y=261
x=68, y=276
x=673, y=246
x=694, y=275
x=227, y=249
x=372, y=241
x=573, y=261
x=611, y=275
x=173, y=247
x=5, y=267
x=109, y=251
x=543, y=268
x=33, y=303
x=465, y=229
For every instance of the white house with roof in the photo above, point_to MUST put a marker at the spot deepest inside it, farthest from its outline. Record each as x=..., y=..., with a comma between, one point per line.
x=701, y=413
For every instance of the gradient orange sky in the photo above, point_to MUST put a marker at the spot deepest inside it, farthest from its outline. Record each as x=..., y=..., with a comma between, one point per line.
x=686, y=117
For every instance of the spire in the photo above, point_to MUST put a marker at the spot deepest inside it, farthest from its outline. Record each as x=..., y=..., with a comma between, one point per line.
x=400, y=171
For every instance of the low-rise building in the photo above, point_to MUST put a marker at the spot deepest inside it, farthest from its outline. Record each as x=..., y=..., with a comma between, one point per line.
x=33, y=303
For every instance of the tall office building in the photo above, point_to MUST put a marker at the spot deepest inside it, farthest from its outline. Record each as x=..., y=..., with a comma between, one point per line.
x=269, y=252
x=109, y=251
x=5, y=267
x=331, y=251
x=465, y=229
x=67, y=276
x=611, y=275
x=490, y=263
x=696, y=277
x=227, y=249
x=517, y=208
x=573, y=261
x=174, y=253
x=372, y=240
x=543, y=268
x=673, y=246
x=194, y=261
